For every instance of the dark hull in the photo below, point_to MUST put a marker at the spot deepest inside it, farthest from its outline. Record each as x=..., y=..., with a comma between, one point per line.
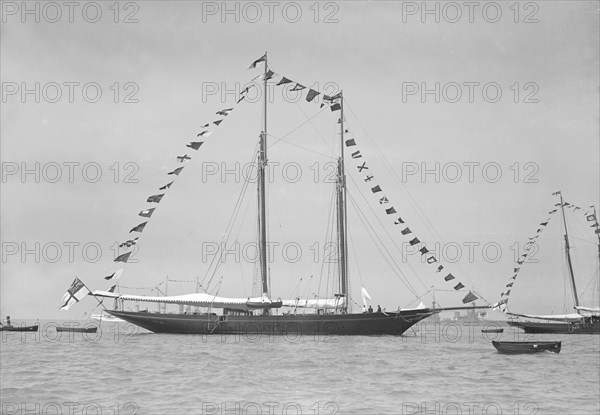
x=526, y=347
x=77, y=329
x=559, y=327
x=17, y=328
x=288, y=324
x=492, y=330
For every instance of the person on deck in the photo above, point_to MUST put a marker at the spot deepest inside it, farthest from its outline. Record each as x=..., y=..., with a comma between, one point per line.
x=370, y=309
x=379, y=309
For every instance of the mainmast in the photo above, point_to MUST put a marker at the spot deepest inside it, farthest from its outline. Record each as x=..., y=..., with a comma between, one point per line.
x=567, y=250
x=342, y=216
x=262, y=204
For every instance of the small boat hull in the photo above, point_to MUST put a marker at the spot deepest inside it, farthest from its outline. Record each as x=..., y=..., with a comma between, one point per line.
x=492, y=330
x=559, y=327
x=290, y=325
x=19, y=328
x=77, y=329
x=527, y=347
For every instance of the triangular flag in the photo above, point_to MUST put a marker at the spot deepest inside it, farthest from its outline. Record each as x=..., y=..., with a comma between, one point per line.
x=469, y=298
x=441, y=267
x=298, y=87
x=147, y=213
x=405, y=231
x=155, y=198
x=398, y=221
x=414, y=241
x=448, y=277
x=459, y=286
x=115, y=275
x=122, y=258
x=311, y=95
x=176, y=171
x=390, y=211
x=195, y=144
x=166, y=186
x=263, y=58
x=139, y=228
x=217, y=122
x=284, y=81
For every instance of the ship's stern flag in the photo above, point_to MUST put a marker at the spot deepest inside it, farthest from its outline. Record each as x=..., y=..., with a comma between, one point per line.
x=76, y=292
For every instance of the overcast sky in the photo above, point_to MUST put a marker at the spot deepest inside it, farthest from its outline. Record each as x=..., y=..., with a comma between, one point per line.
x=175, y=60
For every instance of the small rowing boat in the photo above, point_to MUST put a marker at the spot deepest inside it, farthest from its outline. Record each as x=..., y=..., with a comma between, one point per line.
x=492, y=330
x=527, y=347
x=77, y=329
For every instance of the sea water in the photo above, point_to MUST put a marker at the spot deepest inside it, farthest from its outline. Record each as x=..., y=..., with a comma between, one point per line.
x=437, y=368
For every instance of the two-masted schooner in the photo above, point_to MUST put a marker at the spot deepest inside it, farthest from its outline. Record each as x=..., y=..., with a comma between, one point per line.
x=331, y=316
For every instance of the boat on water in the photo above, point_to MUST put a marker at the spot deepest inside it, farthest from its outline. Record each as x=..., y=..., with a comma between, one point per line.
x=492, y=330
x=10, y=327
x=77, y=329
x=527, y=347
x=585, y=320
x=332, y=315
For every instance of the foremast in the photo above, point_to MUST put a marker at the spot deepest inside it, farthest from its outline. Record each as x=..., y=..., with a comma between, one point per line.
x=568, y=249
x=342, y=227
x=262, y=196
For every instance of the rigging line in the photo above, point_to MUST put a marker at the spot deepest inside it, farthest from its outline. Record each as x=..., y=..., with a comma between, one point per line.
x=316, y=129
x=389, y=259
x=278, y=139
x=411, y=197
x=327, y=233
x=225, y=237
x=386, y=232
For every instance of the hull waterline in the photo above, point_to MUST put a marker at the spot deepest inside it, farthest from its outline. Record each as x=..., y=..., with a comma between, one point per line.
x=559, y=327
x=288, y=324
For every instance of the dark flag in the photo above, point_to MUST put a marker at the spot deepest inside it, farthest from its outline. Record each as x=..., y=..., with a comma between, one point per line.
x=552, y=211
x=195, y=144
x=362, y=167
x=129, y=243
x=147, y=213
x=448, y=277
x=356, y=155
x=383, y=200
x=269, y=74
x=423, y=251
x=459, y=286
x=241, y=99
x=122, y=257
x=183, y=158
x=176, y=171
x=112, y=289
x=414, y=241
x=139, y=228
x=217, y=122
x=516, y=269
x=263, y=58
x=510, y=284
x=398, y=221
x=405, y=231
x=469, y=298
x=155, y=198
x=390, y=211
x=441, y=267
x=376, y=189
x=298, y=87
x=591, y=218
x=350, y=142
x=115, y=275
x=166, y=186
x=224, y=112
x=203, y=133
x=335, y=107
x=284, y=81
x=368, y=178
x=311, y=95
x=205, y=125
x=543, y=223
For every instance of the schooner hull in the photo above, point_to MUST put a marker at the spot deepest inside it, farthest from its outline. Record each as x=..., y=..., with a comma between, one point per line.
x=558, y=327
x=287, y=325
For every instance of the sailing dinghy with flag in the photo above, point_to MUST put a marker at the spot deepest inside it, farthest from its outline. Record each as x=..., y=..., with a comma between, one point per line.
x=330, y=315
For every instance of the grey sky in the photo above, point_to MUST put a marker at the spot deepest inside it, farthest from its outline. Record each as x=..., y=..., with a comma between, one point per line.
x=177, y=50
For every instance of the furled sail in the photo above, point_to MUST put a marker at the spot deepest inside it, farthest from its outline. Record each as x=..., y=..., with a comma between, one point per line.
x=327, y=303
x=199, y=300
x=553, y=317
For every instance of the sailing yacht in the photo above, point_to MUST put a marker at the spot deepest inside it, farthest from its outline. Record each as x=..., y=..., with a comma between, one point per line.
x=261, y=314
x=585, y=319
